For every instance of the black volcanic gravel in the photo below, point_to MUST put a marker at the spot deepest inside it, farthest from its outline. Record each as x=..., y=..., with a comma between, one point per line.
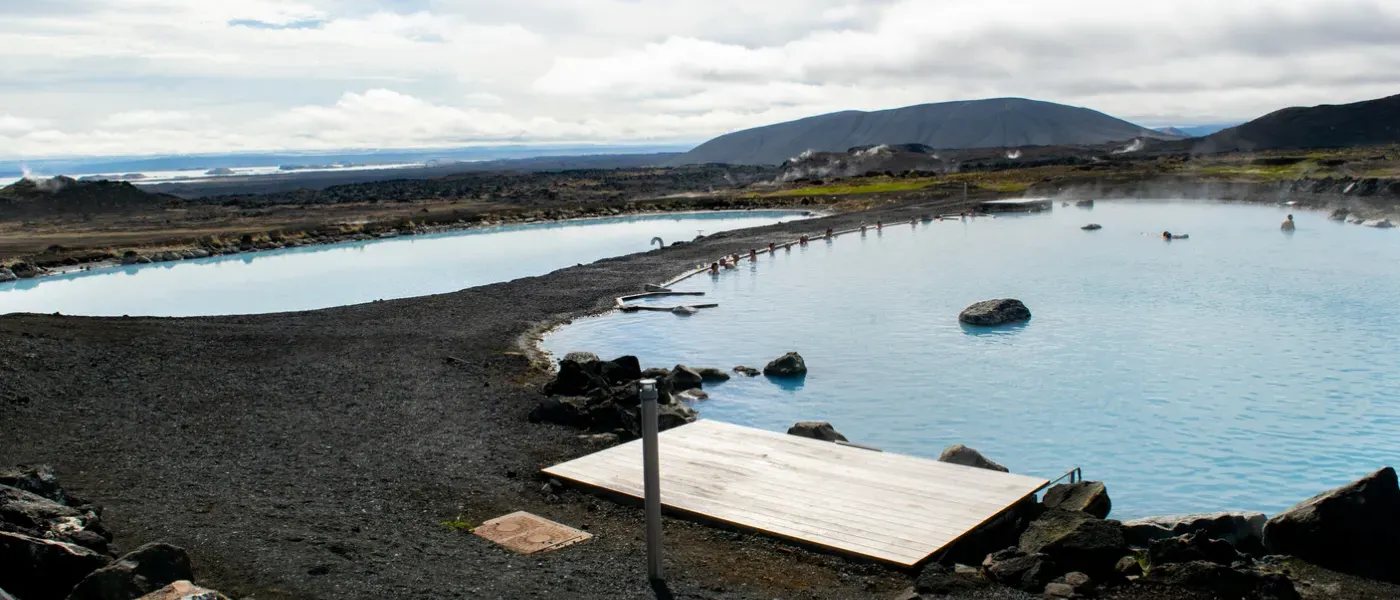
x=314, y=454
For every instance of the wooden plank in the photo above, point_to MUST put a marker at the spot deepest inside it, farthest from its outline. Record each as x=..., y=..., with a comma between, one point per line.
x=887, y=506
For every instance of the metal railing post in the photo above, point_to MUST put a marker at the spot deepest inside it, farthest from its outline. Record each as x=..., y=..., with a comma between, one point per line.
x=651, y=471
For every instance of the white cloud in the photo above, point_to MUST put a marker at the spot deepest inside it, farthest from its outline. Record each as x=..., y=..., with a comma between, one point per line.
x=150, y=76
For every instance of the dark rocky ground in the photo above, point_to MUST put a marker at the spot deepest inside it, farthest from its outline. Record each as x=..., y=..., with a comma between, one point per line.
x=314, y=455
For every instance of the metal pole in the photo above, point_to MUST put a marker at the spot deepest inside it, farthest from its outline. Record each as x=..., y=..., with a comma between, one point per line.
x=651, y=470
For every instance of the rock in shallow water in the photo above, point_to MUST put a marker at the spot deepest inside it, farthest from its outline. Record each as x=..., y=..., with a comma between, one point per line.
x=787, y=365
x=1353, y=529
x=995, y=312
x=817, y=430
x=962, y=455
x=747, y=371
x=712, y=375
x=685, y=378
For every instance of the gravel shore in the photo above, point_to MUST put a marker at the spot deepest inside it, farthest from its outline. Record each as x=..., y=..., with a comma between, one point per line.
x=315, y=454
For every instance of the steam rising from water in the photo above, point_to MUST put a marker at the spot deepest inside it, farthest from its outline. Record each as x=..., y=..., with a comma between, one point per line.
x=1136, y=145
x=1014, y=154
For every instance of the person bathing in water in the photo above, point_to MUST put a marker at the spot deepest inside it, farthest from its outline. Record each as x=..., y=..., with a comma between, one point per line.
x=1287, y=224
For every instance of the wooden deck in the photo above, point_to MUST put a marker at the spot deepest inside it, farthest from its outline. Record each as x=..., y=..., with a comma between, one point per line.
x=894, y=508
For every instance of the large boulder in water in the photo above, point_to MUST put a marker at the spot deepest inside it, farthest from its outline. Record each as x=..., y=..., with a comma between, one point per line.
x=787, y=365
x=995, y=312
x=962, y=455
x=685, y=378
x=817, y=430
x=1243, y=530
x=140, y=572
x=712, y=375
x=1077, y=541
x=1085, y=496
x=40, y=569
x=1354, y=528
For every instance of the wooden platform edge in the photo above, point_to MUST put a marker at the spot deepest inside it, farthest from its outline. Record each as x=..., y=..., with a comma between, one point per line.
x=704, y=519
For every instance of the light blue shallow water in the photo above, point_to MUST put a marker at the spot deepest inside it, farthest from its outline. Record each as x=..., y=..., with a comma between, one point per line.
x=352, y=273
x=1243, y=368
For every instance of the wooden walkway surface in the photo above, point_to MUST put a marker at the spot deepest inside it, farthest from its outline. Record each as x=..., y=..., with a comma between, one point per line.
x=894, y=508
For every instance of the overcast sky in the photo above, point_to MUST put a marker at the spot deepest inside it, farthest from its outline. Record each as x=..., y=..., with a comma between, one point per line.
x=103, y=77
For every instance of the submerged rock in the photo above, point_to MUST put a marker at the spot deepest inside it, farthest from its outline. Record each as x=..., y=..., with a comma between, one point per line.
x=1353, y=529
x=1085, y=496
x=684, y=310
x=1243, y=530
x=817, y=430
x=1092, y=227
x=787, y=365
x=693, y=395
x=40, y=569
x=143, y=571
x=712, y=375
x=1085, y=203
x=747, y=371
x=995, y=312
x=959, y=454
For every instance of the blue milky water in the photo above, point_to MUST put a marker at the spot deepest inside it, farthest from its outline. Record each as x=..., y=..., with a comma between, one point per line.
x=352, y=273
x=1244, y=368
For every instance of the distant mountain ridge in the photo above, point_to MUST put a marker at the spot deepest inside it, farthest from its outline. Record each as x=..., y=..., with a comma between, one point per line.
x=991, y=123
x=1366, y=123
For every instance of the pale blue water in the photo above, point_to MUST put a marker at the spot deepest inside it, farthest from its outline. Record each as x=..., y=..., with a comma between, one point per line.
x=1243, y=368
x=352, y=273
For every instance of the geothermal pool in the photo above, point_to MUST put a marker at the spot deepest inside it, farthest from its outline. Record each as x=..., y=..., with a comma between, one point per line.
x=312, y=277
x=1243, y=368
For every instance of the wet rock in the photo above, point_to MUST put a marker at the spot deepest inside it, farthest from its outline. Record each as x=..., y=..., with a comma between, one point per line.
x=1191, y=548
x=1339, y=214
x=1085, y=204
x=1085, y=496
x=684, y=310
x=1353, y=529
x=186, y=254
x=140, y=572
x=1013, y=568
x=656, y=373
x=1076, y=541
x=582, y=357
x=184, y=590
x=817, y=430
x=24, y=270
x=962, y=455
x=995, y=312
x=651, y=287
x=692, y=395
x=40, y=569
x=1377, y=223
x=787, y=365
x=747, y=371
x=7, y=275
x=199, y=253
x=712, y=375
x=1128, y=566
x=940, y=580
x=1244, y=530
x=685, y=378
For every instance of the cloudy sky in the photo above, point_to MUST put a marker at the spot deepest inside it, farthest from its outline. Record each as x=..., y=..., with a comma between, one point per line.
x=103, y=77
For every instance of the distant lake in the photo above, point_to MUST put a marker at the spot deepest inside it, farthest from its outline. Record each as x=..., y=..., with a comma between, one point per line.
x=312, y=277
x=1243, y=368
